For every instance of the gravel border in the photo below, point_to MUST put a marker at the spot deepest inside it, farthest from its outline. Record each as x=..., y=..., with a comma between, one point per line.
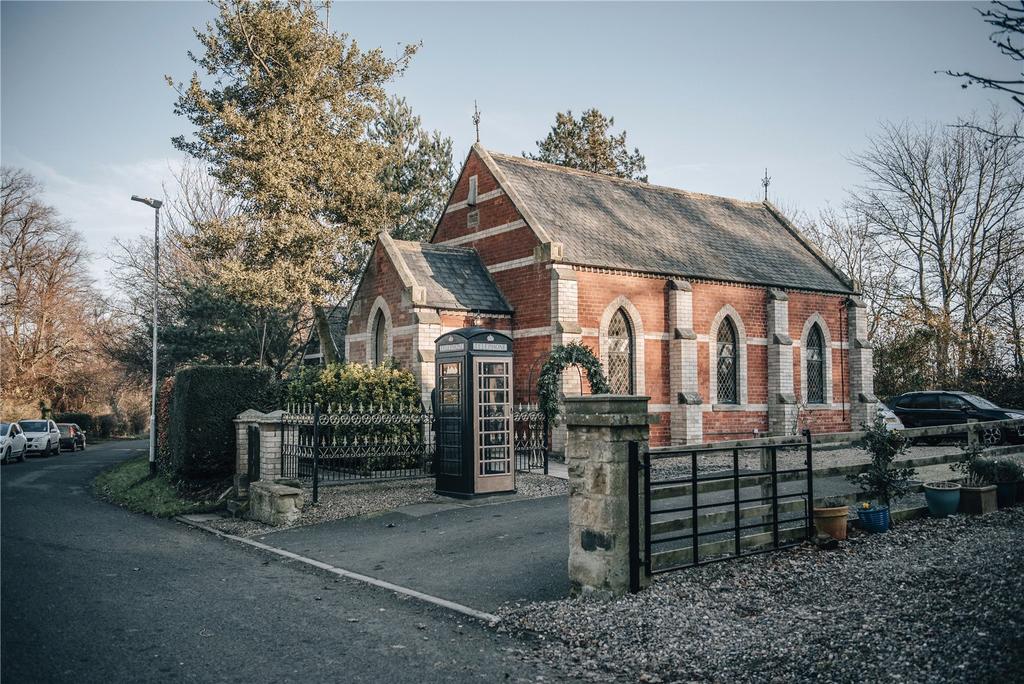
x=348, y=501
x=930, y=601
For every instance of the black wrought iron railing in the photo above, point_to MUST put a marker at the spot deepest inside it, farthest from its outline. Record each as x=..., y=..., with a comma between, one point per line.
x=347, y=444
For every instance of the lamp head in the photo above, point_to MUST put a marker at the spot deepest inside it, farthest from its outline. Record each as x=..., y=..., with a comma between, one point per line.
x=156, y=204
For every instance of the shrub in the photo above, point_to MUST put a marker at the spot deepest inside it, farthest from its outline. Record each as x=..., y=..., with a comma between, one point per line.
x=355, y=385
x=82, y=420
x=1006, y=470
x=204, y=401
x=106, y=424
x=977, y=471
x=881, y=480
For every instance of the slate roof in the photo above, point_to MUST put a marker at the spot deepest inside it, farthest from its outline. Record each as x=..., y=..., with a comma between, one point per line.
x=614, y=223
x=452, y=277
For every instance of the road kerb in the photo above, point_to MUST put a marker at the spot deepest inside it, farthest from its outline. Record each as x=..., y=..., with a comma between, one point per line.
x=348, y=574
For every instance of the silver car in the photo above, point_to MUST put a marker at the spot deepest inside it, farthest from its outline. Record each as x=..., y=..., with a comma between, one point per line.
x=42, y=437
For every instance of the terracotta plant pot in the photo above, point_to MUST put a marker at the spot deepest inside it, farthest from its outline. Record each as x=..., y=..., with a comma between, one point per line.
x=977, y=500
x=832, y=521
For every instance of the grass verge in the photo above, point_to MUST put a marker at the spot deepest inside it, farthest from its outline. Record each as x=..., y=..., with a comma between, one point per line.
x=130, y=485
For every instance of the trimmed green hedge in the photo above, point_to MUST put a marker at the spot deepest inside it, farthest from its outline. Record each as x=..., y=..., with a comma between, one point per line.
x=204, y=401
x=354, y=384
x=82, y=420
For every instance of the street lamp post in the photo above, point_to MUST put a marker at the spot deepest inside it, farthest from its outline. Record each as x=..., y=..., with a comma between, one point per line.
x=156, y=204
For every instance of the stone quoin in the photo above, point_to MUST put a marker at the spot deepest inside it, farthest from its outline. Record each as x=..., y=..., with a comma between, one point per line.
x=718, y=309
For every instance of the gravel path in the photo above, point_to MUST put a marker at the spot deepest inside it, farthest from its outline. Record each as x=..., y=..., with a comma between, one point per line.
x=931, y=601
x=363, y=499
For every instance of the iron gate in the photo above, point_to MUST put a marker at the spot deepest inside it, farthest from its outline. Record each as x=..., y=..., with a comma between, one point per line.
x=705, y=503
x=253, y=449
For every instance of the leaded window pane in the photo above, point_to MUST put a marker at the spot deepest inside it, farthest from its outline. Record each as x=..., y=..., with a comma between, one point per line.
x=620, y=354
x=380, y=339
x=815, y=355
x=728, y=384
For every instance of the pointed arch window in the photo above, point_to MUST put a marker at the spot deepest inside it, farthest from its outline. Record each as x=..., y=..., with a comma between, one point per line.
x=815, y=365
x=621, y=354
x=380, y=339
x=728, y=381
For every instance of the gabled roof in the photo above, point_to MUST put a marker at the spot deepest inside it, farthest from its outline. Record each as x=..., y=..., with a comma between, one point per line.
x=451, y=277
x=614, y=223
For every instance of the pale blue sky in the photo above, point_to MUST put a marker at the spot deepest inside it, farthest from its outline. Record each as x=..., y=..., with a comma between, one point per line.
x=710, y=93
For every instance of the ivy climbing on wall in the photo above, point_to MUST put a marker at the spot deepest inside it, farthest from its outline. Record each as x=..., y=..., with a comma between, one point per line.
x=563, y=356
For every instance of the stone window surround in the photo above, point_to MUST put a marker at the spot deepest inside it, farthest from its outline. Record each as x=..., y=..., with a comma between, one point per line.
x=741, y=359
x=636, y=325
x=826, y=337
x=379, y=304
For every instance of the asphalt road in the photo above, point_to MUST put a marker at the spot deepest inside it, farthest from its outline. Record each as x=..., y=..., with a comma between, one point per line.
x=481, y=556
x=92, y=593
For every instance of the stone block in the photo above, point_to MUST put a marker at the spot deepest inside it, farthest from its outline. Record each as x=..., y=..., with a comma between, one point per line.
x=274, y=504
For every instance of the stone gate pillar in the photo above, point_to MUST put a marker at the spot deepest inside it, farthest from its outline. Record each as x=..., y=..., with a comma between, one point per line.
x=600, y=428
x=862, y=385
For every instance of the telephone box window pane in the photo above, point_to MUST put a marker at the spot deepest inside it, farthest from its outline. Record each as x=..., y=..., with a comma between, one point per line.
x=494, y=438
x=494, y=424
x=493, y=397
x=493, y=383
x=450, y=398
x=494, y=368
x=449, y=369
x=493, y=411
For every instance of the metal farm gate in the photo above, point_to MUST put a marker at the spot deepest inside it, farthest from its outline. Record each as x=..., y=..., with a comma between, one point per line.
x=708, y=503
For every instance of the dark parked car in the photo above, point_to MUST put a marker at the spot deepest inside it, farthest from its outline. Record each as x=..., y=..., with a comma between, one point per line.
x=79, y=436
x=931, y=409
x=68, y=436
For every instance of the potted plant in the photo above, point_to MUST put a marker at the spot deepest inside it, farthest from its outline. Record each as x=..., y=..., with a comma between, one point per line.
x=943, y=498
x=1007, y=473
x=830, y=517
x=977, y=491
x=882, y=481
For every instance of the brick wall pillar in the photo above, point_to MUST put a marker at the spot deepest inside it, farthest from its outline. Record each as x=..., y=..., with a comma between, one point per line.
x=687, y=423
x=862, y=383
x=600, y=428
x=782, y=403
x=270, y=447
x=565, y=328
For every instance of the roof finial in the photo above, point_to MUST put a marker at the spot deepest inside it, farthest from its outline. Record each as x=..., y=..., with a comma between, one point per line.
x=476, y=120
x=766, y=181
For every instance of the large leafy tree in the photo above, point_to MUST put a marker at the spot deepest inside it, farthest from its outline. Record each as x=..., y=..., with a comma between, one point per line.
x=282, y=124
x=421, y=175
x=587, y=143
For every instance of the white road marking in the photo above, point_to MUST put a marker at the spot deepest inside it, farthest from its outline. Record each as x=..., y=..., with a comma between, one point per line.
x=341, y=572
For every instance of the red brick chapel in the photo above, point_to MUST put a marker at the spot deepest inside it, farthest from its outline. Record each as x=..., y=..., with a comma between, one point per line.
x=717, y=309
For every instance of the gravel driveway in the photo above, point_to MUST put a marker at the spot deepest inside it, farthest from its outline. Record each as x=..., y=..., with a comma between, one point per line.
x=348, y=501
x=931, y=601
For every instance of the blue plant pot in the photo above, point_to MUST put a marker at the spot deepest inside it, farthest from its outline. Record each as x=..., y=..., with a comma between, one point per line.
x=1006, y=494
x=874, y=519
x=941, y=501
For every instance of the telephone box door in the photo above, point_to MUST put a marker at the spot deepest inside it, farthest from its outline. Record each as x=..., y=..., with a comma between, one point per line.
x=451, y=475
